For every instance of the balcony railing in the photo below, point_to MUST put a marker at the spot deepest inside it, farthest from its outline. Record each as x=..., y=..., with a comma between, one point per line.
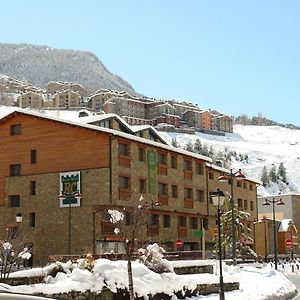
x=162, y=169
x=124, y=161
x=107, y=227
x=188, y=203
x=162, y=199
x=153, y=230
x=182, y=231
x=124, y=194
x=188, y=174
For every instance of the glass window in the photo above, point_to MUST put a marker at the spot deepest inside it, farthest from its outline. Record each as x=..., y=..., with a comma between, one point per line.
x=162, y=158
x=174, y=162
x=245, y=204
x=123, y=149
x=142, y=154
x=142, y=186
x=162, y=189
x=188, y=193
x=15, y=170
x=211, y=175
x=32, y=219
x=240, y=203
x=166, y=221
x=14, y=200
x=199, y=169
x=124, y=182
x=182, y=221
x=33, y=156
x=174, y=191
x=32, y=187
x=15, y=129
x=200, y=195
x=154, y=219
x=187, y=164
x=193, y=223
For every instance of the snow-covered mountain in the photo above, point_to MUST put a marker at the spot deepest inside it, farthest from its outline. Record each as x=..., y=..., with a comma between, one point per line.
x=264, y=146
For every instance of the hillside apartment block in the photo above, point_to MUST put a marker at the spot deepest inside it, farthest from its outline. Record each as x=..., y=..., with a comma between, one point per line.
x=133, y=109
x=109, y=166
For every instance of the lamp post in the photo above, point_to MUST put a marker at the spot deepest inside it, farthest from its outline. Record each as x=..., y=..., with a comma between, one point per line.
x=69, y=198
x=229, y=178
x=218, y=199
x=267, y=203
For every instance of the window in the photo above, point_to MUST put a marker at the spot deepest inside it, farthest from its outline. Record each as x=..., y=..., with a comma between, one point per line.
x=193, y=223
x=33, y=156
x=142, y=154
x=251, y=205
x=200, y=195
x=32, y=187
x=174, y=191
x=166, y=221
x=142, y=186
x=211, y=175
x=32, y=219
x=239, y=183
x=124, y=182
x=205, y=223
x=188, y=193
x=161, y=158
x=162, y=189
x=240, y=203
x=244, y=185
x=15, y=170
x=128, y=220
x=15, y=129
x=174, y=162
x=199, y=169
x=14, y=200
x=245, y=204
x=123, y=149
x=251, y=187
x=187, y=165
x=154, y=219
x=182, y=221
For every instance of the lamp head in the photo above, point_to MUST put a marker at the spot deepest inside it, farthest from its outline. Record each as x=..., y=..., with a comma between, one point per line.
x=266, y=203
x=218, y=198
x=19, y=218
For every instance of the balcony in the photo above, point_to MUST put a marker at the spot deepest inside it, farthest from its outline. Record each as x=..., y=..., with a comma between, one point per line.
x=124, y=194
x=182, y=231
x=187, y=174
x=162, y=199
x=124, y=161
x=107, y=227
x=188, y=203
x=162, y=169
x=153, y=230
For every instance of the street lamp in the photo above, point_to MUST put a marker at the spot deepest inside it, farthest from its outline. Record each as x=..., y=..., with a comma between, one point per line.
x=267, y=203
x=218, y=199
x=19, y=218
x=69, y=198
x=229, y=178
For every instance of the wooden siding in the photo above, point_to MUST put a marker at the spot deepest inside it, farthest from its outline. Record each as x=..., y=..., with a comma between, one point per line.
x=86, y=149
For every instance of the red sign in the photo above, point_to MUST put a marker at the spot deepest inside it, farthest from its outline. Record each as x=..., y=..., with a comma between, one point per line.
x=179, y=243
x=289, y=243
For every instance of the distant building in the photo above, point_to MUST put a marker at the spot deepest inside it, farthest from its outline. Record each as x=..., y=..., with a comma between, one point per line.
x=66, y=99
x=30, y=100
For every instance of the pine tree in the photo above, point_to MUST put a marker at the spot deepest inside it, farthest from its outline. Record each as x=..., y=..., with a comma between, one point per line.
x=242, y=233
x=272, y=174
x=189, y=146
x=198, y=146
x=265, y=179
x=281, y=173
x=174, y=142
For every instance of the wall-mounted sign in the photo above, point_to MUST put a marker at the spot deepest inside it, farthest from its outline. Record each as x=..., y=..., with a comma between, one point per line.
x=70, y=189
x=152, y=171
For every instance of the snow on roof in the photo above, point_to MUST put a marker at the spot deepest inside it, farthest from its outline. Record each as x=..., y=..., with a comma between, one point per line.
x=284, y=225
x=109, y=131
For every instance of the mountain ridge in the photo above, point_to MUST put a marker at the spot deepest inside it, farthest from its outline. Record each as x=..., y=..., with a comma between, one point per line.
x=39, y=65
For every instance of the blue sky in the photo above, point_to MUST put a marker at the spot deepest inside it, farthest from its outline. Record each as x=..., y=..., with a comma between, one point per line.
x=234, y=56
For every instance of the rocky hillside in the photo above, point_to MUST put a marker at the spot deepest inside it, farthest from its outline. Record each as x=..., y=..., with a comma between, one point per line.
x=39, y=65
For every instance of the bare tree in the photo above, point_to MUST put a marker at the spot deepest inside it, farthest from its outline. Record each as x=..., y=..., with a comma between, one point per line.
x=130, y=225
x=14, y=251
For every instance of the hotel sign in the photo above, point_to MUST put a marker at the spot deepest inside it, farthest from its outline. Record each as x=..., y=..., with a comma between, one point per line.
x=70, y=189
x=152, y=171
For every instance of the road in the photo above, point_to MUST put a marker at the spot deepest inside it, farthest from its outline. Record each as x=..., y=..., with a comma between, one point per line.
x=296, y=280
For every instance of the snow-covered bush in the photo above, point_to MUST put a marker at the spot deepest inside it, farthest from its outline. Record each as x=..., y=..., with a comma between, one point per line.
x=152, y=257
